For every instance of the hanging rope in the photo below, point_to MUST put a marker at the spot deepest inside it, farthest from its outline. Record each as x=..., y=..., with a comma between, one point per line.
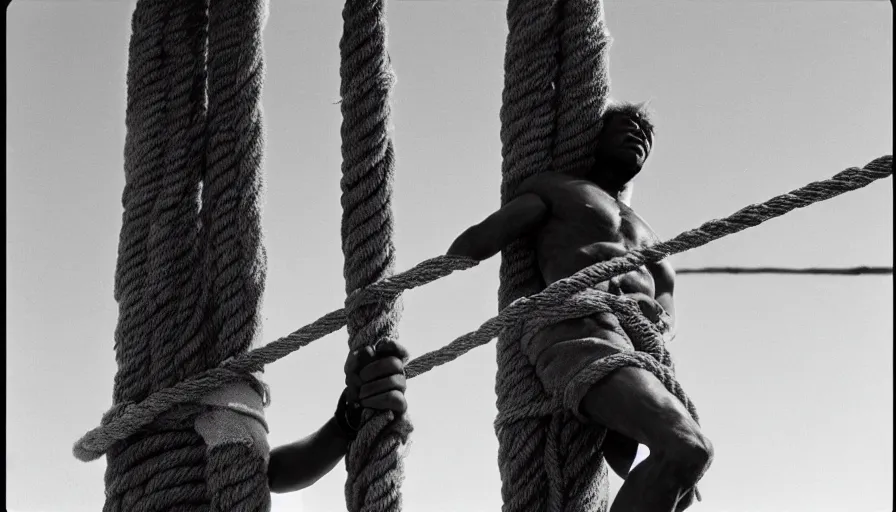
x=556, y=83
x=374, y=461
x=126, y=418
x=853, y=271
x=188, y=289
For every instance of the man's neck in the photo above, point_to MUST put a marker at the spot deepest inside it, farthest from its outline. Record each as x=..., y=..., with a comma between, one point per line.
x=596, y=174
x=620, y=193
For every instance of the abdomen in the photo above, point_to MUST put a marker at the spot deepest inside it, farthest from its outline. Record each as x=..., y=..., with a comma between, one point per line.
x=563, y=251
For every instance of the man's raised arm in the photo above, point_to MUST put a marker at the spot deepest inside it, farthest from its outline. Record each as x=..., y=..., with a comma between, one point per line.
x=517, y=218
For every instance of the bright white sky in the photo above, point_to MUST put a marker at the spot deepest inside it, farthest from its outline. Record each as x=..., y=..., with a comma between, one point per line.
x=793, y=376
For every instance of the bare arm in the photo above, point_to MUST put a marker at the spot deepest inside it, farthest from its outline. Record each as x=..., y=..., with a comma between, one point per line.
x=664, y=281
x=374, y=379
x=515, y=219
x=298, y=465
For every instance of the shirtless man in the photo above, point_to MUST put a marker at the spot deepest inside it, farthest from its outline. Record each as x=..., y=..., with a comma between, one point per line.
x=374, y=379
x=577, y=219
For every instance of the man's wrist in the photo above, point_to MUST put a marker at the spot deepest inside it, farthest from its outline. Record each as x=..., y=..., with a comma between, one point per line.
x=348, y=417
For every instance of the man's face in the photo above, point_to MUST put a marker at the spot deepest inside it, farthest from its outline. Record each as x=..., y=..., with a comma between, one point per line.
x=623, y=139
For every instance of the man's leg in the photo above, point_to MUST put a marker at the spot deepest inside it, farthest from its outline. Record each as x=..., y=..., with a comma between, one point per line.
x=634, y=403
x=620, y=452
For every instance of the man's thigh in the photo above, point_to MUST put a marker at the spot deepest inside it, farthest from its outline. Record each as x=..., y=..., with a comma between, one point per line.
x=634, y=403
x=620, y=452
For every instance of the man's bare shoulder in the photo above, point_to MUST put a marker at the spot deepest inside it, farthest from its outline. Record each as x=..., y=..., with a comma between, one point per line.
x=550, y=184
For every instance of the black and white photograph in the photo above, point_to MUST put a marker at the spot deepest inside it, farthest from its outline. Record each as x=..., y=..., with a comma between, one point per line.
x=449, y=255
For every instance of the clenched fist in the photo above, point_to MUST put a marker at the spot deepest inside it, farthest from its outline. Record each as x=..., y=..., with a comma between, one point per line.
x=374, y=379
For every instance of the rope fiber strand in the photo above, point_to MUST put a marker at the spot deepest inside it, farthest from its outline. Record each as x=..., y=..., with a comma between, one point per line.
x=127, y=417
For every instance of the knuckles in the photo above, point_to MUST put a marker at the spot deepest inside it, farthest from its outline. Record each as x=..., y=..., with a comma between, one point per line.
x=376, y=379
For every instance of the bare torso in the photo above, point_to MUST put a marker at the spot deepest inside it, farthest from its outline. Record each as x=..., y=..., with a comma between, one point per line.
x=587, y=226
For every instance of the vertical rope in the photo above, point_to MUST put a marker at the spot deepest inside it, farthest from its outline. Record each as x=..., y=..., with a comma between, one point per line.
x=162, y=469
x=583, y=85
x=188, y=282
x=583, y=82
x=174, y=240
x=374, y=462
x=232, y=185
x=555, y=88
x=147, y=90
x=235, y=258
x=527, y=127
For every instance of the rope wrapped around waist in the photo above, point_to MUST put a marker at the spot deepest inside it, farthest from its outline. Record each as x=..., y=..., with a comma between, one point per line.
x=525, y=403
x=649, y=353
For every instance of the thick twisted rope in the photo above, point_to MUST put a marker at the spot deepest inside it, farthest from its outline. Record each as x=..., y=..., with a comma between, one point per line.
x=556, y=83
x=374, y=461
x=188, y=290
x=157, y=250
x=235, y=259
x=527, y=128
x=128, y=417
x=583, y=82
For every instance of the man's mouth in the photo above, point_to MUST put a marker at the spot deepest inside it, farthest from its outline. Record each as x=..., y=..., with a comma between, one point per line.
x=636, y=145
x=634, y=142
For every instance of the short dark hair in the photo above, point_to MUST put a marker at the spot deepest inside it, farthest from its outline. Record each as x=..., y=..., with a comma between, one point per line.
x=640, y=112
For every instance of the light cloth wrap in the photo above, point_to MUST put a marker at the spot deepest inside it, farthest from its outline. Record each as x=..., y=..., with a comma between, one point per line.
x=235, y=415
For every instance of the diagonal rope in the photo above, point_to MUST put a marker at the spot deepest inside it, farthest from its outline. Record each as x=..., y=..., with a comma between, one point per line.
x=125, y=418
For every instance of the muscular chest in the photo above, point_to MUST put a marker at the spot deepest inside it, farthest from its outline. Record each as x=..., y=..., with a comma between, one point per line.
x=583, y=207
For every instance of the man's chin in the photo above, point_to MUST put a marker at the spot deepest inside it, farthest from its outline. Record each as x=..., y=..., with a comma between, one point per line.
x=625, y=166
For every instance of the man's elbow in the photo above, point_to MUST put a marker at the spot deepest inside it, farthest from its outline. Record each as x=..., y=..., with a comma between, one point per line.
x=287, y=474
x=277, y=486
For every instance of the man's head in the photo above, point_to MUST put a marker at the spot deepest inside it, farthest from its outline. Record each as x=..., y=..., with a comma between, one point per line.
x=624, y=143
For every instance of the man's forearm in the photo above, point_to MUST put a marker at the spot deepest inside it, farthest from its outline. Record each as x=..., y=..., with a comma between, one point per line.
x=298, y=465
x=471, y=245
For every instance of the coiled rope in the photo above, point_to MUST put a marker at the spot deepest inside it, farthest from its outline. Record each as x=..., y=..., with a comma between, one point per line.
x=126, y=418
